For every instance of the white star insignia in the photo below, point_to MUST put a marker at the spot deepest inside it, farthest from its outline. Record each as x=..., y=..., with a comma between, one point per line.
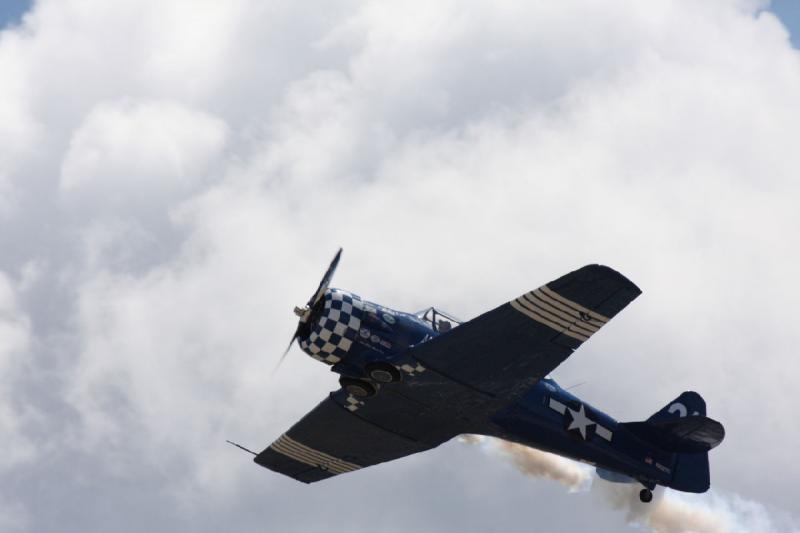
x=579, y=421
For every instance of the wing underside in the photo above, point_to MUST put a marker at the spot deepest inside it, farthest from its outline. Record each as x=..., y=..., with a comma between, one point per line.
x=331, y=440
x=507, y=350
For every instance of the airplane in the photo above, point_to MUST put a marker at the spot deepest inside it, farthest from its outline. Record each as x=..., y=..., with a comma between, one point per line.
x=412, y=381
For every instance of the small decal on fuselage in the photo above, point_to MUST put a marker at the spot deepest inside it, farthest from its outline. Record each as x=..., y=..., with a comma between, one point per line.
x=557, y=406
x=603, y=432
x=353, y=403
x=411, y=370
x=679, y=408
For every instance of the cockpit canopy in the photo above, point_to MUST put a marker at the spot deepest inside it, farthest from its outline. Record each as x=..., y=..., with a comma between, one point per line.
x=438, y=319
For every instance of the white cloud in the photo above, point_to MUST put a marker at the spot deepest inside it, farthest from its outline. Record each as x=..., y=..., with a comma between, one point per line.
x=15, y=342
x=201, y=162
x=19, y=133
x=129, y=147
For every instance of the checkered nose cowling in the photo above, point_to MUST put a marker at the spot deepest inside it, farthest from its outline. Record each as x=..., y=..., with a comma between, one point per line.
x=336, y=329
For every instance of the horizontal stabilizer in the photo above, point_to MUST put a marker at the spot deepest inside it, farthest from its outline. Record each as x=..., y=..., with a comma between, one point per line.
x=691, y=434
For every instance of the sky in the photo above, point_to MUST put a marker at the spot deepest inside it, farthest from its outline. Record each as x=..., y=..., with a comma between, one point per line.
x=176, y=175
x=789, y=13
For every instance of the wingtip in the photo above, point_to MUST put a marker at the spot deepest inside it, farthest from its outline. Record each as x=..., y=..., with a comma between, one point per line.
x=607, y=271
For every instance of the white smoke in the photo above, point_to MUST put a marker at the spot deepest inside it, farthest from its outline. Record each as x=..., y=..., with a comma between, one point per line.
x=669, y=512
x=535, y=463
x=532, y=462
x=677, y=512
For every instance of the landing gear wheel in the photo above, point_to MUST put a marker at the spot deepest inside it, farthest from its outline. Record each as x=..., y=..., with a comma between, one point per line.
x=646, y=495
x=358, y=387
x=383, y=372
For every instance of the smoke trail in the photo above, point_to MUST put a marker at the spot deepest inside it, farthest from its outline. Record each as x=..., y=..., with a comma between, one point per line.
x=669, y=512
x=677, y=512
x=471, y=439
x=532, y=462
x=540, y=464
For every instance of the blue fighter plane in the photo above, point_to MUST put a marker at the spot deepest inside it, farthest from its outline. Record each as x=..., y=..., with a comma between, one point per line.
x=411, y=381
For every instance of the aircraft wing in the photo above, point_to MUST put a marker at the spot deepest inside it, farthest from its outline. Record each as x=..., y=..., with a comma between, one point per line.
x=507, y=350
x=331, y=440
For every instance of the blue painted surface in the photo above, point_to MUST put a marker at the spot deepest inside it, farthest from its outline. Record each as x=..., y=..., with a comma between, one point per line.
x=11, y=11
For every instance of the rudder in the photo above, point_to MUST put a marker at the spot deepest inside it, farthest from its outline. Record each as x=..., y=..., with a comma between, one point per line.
x=691, y=472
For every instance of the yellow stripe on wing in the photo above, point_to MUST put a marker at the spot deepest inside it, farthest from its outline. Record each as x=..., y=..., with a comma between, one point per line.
x=559, y=313
x=289, y=447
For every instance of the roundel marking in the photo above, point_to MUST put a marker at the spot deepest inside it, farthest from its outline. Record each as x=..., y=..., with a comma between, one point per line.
x=679, y=408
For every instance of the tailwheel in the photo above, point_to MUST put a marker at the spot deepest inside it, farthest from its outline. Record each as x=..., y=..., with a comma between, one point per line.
x=358, y=387
x=646, y=495
x=383, y=372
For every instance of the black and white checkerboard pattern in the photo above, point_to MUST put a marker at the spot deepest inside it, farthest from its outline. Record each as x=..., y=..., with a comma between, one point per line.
x=337, y=328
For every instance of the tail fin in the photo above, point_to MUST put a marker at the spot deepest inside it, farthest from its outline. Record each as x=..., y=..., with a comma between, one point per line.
x=683, y=428
x=680, y=427
x=687, y=404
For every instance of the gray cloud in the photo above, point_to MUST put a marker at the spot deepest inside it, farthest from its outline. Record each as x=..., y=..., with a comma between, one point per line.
x=175, y=176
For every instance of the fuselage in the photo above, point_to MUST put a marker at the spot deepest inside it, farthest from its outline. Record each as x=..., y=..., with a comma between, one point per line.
x=552, y=419
x=351, y=333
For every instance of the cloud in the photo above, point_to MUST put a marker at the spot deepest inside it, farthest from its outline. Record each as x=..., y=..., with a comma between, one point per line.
x=18, y=131
x=15, y=344
x=139, y=146
x=175, y=177
x=14, y=517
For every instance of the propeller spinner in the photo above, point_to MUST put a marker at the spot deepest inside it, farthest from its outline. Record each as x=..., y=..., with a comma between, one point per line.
x=309, y=313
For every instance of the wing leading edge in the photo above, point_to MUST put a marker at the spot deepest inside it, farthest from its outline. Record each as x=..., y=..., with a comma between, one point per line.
x=507, y=350
x=330, y=440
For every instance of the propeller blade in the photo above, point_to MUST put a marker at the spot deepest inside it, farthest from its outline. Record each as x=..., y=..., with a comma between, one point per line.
x=285, y=353
x=306, y=315
x=326, y=280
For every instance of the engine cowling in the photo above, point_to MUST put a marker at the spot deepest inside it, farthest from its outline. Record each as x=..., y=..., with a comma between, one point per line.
x=332, y=335
x=345, y=326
